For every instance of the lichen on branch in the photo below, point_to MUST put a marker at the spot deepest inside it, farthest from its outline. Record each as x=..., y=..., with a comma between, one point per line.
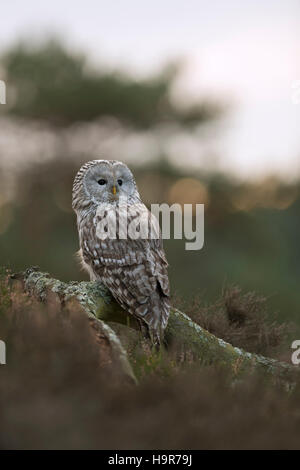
x=121, y=329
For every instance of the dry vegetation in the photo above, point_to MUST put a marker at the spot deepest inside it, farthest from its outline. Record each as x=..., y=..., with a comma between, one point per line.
x=60, y=390
x=241, y=319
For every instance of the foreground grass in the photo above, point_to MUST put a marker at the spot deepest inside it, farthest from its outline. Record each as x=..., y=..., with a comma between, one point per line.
x=58, y=391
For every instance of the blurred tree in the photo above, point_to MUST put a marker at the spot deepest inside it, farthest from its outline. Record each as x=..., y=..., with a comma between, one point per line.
x=51, y=83
x=251, y=230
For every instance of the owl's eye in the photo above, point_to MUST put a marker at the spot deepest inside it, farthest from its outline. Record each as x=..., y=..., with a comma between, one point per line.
x=102, y=181
x=120, y=182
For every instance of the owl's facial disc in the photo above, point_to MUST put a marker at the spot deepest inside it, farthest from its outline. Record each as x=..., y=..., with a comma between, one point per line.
x=109, y=183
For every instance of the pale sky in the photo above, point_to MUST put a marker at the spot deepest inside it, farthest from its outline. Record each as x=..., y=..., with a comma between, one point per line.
x=247, y=52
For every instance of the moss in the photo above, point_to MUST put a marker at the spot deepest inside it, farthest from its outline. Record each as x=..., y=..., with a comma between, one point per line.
x=182, y=334
x=92, y=296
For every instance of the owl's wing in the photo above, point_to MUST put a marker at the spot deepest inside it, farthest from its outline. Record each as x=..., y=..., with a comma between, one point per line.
x=160, y=264
x=135, y=271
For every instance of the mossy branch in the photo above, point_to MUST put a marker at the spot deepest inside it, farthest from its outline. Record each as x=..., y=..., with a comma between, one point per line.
x=182, y=334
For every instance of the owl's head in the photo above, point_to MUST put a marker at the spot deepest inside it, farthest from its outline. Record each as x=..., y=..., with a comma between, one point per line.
x=103, y=181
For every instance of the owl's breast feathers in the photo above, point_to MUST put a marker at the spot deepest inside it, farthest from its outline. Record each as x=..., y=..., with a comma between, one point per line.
x=134, y=270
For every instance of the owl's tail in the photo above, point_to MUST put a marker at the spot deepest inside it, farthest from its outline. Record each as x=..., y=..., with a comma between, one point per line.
x=157, y=319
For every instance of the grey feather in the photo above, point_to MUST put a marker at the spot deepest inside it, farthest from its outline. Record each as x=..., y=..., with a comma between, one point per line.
x=134, y=270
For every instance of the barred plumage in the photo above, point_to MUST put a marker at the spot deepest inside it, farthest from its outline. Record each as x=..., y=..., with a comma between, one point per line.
x=134, y=270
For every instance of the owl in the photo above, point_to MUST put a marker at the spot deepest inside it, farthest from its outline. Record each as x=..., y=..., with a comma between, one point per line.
x=132, y=267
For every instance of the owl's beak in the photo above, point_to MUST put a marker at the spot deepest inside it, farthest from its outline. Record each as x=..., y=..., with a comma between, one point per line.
x=114, y=190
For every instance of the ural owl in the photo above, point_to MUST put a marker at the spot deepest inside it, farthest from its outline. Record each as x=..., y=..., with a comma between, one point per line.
x=133, y=268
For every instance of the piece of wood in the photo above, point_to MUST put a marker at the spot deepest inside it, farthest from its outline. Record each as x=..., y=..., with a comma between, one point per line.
x=121, y=329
